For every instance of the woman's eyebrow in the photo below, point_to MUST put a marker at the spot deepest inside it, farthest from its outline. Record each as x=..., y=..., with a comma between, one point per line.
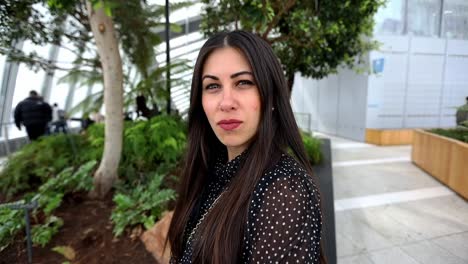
x=232, y=75
x=211, y=77
x=240, y=73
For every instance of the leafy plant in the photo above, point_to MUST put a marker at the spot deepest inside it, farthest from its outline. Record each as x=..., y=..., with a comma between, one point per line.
x=42, y=234
x=40, y=160
x=49, y=197
x=312, y=147
x=142, y=205
x=69, y=180
x=11, y=222
x=464, y=123
x=458, y=134
x=66, y=251
x=463, y=108
x=151, y=150
x=151, y=144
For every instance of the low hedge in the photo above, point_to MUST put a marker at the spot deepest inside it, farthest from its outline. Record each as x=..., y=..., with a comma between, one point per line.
x=455, y=133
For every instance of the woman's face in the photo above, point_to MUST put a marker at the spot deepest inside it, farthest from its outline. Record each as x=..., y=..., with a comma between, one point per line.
x=230, y=99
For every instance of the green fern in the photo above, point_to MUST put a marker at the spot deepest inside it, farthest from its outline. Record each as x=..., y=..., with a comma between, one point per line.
x=142, y=205
x=312, y=147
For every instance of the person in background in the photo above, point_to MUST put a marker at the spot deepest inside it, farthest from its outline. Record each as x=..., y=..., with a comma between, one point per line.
x=462, y=114
x=59, y=121
x=34, y=114
x=143, y=110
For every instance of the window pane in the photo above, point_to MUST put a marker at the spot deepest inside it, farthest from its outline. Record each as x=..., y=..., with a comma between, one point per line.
x=424, y=17
x=2, y=66
x=456, y=19
x=389, y=20
x=28, y=79
x=59, y=91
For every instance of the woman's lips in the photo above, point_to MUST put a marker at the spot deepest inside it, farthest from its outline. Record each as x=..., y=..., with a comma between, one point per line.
x=230, y=124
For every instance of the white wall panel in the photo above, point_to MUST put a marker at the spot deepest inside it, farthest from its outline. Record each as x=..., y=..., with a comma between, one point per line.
x=352, y=105
x=422, y=83
x=336, y=104
x=328, y=104
x=386, y=91
x=427, y=69
x=297, y=96
x=311, y=101
x=393, y=43
x=420, y=88
x=427, y=45
x=457, y=47
x=424, y=89
x=304, y=101
x=457, y=69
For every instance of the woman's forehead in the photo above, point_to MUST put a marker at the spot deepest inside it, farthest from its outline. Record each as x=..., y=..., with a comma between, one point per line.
x=225, y=60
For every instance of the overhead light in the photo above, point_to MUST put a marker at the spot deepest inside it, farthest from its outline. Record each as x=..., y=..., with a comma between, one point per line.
x=446, y=12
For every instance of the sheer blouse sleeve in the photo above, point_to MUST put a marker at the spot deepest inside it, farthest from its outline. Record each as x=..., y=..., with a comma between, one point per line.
x=284, y=224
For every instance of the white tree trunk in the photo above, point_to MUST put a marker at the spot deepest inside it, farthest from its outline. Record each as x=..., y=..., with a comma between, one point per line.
x=108, y=50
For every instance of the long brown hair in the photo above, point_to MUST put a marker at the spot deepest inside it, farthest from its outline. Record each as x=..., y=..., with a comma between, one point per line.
x=220, y=236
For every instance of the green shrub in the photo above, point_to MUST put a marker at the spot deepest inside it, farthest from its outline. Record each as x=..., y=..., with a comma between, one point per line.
x=141, y=205
x=458, y=134
x=11, y=223
x=95, y=138
x=463, y=108
x=151, y=144
x=49, y=198
x=146, y=145
x=464, y=123
x=46, y=168
x=312, y=147
x=42, y=234
x=41, y=160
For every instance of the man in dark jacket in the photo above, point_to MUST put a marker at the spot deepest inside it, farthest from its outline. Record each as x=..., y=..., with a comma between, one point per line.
x=34, y=114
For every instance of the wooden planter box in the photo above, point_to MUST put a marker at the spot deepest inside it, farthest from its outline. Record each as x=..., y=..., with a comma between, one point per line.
x=389, y=137
x=444, y=158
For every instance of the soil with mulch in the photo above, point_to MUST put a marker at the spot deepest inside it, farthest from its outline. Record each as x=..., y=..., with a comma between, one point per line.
x=88, y=231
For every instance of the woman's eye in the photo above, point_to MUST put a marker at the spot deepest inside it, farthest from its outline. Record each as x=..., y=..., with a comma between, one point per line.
x=245, y=83
x=211, y=86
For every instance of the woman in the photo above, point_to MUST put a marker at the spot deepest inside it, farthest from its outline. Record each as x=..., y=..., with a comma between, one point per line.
x=243, y=198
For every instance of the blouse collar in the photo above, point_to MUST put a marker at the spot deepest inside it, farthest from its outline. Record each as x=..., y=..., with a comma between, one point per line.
x=226, y=170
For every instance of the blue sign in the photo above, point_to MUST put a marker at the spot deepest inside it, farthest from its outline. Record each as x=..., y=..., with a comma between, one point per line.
x=378, y=65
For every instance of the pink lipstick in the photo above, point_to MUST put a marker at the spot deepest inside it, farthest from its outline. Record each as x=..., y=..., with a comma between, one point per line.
x=229, y=124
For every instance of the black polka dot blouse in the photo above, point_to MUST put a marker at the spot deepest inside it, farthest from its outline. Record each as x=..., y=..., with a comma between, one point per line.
x=284, y=222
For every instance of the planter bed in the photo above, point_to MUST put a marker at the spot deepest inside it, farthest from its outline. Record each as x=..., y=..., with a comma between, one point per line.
x=444, y=158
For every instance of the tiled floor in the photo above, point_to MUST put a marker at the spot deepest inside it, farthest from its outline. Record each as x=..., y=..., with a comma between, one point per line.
x=387, y=210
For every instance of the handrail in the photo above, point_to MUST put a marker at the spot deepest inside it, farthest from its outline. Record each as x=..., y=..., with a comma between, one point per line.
x=308, y=120
x=21, y=205
x=7, y=123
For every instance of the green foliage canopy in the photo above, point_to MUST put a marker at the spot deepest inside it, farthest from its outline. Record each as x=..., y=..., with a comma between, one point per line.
x=454, y=133
x=65, y=23
x=312, y=37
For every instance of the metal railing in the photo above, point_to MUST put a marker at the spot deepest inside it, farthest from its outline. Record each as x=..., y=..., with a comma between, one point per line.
x=21, y=205
x=304, y=121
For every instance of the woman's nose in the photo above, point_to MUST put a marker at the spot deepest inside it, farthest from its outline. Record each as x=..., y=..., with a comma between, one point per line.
x=228, y=101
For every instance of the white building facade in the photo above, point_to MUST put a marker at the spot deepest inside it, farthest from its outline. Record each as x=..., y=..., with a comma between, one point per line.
x=419, y=74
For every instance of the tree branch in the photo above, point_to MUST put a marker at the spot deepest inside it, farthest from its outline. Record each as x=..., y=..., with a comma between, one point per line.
x=277, y=18
x=277, y=39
